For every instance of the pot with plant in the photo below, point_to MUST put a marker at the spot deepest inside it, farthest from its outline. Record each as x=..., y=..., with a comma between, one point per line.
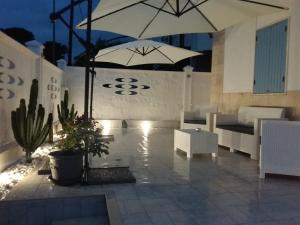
x=77, y=142
x=28, y=125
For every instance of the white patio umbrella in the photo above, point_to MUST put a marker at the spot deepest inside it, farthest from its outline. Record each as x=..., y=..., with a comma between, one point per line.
x=143, y=52
x=152, y=18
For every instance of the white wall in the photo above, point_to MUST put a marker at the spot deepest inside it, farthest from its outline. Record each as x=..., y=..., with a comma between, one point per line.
x=239, y=58
x=201, y=85
x=240, y=51
x=18, y=66
x=294, y=49
x=163, y=101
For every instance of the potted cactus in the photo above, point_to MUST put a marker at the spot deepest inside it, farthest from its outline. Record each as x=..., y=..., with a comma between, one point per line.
x=28, y=125
x=77, y=140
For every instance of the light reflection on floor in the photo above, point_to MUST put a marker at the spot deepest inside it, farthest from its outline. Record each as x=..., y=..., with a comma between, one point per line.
x=172, y=190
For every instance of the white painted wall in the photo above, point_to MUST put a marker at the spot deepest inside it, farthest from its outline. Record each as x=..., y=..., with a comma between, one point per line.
x=17, y=80
x=201, y=85
x=240, y=51
x=239, y=58
x=163, y=101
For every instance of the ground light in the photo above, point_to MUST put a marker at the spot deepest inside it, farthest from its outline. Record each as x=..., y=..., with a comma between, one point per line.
x=106, y=124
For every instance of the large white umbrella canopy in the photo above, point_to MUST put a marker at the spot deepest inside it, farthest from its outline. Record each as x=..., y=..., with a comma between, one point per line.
x=152, y=18
x=143, y=52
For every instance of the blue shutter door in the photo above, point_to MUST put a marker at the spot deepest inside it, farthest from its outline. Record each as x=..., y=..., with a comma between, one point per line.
x=270, y=59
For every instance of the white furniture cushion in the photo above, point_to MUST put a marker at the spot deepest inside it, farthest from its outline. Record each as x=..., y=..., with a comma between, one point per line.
x=248, y=114
x=201, y=111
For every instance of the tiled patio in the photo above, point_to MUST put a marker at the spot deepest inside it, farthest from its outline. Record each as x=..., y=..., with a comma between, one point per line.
x=171, y=190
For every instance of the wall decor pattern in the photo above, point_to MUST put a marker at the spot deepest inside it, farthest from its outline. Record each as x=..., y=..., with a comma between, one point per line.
x=53, y=87
x=7, y=80
x=129, y=86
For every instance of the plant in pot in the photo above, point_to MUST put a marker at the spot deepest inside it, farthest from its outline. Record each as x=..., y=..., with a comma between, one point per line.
x=28, y=125
x=77, y=142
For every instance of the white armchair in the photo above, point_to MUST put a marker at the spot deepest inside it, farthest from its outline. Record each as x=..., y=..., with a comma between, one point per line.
x=280, y=148
x=241, y=132
x=201, y=117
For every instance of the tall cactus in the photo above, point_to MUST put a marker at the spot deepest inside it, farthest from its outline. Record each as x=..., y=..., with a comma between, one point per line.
x=65, y=115
x=28, y=125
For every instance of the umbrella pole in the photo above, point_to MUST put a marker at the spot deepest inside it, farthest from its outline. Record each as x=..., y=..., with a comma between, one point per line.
x=53, y=34
x=70, y=50
x=92, y=88
x=87, y=81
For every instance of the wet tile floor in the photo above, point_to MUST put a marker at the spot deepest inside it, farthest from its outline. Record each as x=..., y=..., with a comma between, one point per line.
x=172, y=190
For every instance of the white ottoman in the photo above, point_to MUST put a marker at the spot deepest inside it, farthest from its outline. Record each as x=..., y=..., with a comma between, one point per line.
x=193, y=142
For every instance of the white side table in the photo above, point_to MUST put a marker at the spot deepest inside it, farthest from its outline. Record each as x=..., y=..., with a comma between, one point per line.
x=193, y=142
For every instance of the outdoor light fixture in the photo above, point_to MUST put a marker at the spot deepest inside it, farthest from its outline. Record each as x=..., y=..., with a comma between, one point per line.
x=146, y=127
x=106, y=127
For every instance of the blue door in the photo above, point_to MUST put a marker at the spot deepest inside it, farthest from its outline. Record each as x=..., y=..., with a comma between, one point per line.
x=270, y=59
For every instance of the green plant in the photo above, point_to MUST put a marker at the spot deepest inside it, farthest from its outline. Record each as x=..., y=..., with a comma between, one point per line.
x=28, y=125
x=83, y=136
x=65, y=115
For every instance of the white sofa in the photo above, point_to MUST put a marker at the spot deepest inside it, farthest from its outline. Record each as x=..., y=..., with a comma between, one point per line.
x=280, y=148
x=201, y=117
x=241, y=132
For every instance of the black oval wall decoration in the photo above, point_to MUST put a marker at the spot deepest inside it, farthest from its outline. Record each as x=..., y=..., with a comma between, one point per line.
x=119, y=92
x=120, y=86
x=120, y=79
x=133, y=80
x=133, y=86
x=107, y=85
x=145, y=87
x=132, y=93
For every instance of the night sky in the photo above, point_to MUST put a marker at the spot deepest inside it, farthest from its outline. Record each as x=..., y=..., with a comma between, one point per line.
x=33, y=15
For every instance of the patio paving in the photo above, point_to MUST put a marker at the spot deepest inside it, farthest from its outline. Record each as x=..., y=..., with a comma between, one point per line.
x=172, y=190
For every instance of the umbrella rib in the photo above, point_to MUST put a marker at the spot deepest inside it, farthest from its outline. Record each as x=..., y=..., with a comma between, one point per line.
x=138, y=51
x=155, y=7
x=151, y=21
x=172, y=8
x=264, y=4
x=154, y=49
x=146, y=52
x=134, y=51
x=130, y=59
x=186, y=4
x=193, y=6
x=165, y=55
x=114, y=12
x=202, y=14
x=106, y=53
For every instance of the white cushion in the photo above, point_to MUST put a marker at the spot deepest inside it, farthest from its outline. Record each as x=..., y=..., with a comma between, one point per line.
x=248, y=114
x=201, y=111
